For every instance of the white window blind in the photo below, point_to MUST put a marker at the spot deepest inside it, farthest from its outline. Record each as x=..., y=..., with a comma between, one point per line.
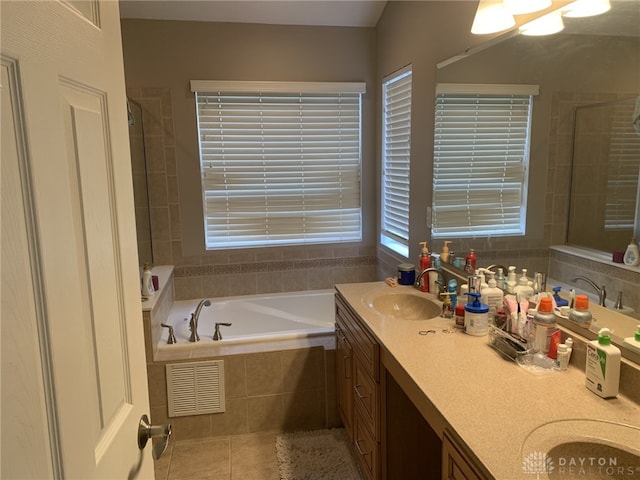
x=280, y=166
x=623, y=169
x=481, y=157
x=396, y=153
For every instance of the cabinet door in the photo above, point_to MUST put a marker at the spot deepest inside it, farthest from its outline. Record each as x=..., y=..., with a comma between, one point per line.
x=344, y=379
x=367, y=449
x=454, y=464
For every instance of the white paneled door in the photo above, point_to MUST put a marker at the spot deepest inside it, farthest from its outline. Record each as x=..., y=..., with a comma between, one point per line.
x=73, y=368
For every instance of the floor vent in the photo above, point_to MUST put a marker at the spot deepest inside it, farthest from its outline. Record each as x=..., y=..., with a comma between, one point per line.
x=195, y=388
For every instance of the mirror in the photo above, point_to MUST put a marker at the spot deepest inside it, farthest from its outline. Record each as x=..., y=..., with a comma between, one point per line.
x=593, y=61
x=140, y=182
x=605, y=170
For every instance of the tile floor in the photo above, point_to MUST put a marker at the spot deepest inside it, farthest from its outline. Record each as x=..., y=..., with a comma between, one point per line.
x=235, y=457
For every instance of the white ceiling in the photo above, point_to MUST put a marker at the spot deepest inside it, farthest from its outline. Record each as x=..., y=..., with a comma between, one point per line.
x=342, y=13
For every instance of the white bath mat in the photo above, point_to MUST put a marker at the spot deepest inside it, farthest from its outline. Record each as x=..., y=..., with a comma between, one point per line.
x=316, y=455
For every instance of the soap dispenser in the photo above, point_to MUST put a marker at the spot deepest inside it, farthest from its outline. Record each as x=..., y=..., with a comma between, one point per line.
x=425, y=262
x=631, y=255
x=523, y=288
x=444, y=256
x=560, y=302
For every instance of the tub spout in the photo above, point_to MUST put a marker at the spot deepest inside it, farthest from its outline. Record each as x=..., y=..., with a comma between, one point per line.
x=193, y=323
x=217, y=335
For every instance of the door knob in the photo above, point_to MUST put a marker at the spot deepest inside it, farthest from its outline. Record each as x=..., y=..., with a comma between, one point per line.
x=147, y=431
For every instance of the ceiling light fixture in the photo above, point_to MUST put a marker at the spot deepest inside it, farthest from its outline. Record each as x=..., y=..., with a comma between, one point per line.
x=546, y=25
x=520, y=7
x=491, y=17
x=587, y=8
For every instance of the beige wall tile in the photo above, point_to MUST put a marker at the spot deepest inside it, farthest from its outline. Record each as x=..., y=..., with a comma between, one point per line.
x=157, y=379
x=235, y=378
x=302, y=410
x=265, y=413
x=233, y=421
x=264, y=375
x=191, y=427
x=300, y=369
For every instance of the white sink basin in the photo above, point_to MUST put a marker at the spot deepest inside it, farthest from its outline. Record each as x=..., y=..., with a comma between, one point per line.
x=405, y=306
x=555, y=450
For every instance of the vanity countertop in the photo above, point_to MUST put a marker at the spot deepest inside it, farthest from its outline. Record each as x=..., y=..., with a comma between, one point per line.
x=503, y=413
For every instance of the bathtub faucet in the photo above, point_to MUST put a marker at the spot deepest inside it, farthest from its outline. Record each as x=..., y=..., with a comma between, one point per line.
x=193, y=323
x=216, y=334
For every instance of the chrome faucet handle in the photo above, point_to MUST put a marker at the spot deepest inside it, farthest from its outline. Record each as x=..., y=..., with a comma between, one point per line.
x=618, y=305
x=172, y=338
x=193, y=326
x=216, y=334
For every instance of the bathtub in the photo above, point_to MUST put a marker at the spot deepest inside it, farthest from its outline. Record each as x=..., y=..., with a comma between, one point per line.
x=259, y=323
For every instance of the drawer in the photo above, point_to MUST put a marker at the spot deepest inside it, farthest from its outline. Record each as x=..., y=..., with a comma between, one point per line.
x=367, y=449
x=366, y=397
x=362, y=341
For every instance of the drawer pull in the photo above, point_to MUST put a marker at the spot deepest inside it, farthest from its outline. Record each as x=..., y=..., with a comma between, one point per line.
x=360, y=451
x=357, y=390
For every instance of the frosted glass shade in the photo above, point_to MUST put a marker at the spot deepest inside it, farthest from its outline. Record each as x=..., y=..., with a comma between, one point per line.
x=587, y=8
x=519, y=7
x=547, y=25
x=491, y=17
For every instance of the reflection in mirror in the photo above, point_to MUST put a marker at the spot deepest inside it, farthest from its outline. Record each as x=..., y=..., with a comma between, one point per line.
x=140, y=183
x=605, y=170
x=594, y=60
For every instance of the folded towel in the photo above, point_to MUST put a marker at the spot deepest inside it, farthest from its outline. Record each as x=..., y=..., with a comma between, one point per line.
x=635, y=118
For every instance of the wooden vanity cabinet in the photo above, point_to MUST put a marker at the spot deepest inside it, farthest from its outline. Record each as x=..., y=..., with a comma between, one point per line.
x=358, y=387
x=455, y=463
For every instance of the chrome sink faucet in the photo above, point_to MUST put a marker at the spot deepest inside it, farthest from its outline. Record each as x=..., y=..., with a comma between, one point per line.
x=443, y=284
x=601, y=291
x=193, y=323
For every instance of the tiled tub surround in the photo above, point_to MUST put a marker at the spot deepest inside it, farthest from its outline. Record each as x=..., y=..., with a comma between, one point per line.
x=275, y=385
x=284, y=390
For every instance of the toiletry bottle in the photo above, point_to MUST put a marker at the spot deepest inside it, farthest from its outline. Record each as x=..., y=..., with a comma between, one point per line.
x=500, y=279
x=562, y=357
x=523, y=288
x=459, y=316
x=425, y=262
x=545, y=322
x=470, y=261
x=511, y=279
x=569, y=343
x=447, y=308
x=633, y=342
x=433, y=276
x=580, y=312
x=631, y=255
x=444, y=255
x=406, y=274
x=560, y=302
x=452, y=288
x=492, y=296
x=147, y=282
x=476, y=316
x=603, y=365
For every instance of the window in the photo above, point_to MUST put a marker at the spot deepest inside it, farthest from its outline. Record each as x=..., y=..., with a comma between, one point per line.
x=396, y=153
x=481, y=158
x=280, y=162
x=623, y=169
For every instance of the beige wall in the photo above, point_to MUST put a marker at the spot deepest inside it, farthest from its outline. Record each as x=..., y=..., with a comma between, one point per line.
x=163, y=56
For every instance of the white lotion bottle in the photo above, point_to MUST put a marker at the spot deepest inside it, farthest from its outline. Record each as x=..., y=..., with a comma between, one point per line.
x=147, y=282
x=603, y=366
x=632, y=255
